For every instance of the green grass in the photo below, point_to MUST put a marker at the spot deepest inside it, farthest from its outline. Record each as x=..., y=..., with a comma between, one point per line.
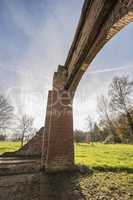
x=105, y=156
x=100, y=156
x=9, y=146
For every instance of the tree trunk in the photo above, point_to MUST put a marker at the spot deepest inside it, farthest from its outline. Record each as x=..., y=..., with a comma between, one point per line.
x=130, y=121
x=22, y=140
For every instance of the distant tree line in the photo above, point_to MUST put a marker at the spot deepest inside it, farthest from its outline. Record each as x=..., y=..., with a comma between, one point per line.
x=115, y=111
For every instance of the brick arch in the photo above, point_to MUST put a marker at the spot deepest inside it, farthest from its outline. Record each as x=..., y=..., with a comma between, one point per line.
x=83, y=53
x=100, y=20
x=109, y=31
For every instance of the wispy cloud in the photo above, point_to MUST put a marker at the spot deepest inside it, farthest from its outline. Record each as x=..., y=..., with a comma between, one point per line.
x=49, y=42
x=44, y=40
x=113, y=69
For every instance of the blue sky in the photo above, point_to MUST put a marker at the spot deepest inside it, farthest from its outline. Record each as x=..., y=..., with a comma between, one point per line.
x=35, y=37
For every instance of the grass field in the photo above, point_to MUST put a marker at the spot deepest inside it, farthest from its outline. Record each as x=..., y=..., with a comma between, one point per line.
x=98, y=156
x=105, y=156
x=9, y=146
x=102, y=183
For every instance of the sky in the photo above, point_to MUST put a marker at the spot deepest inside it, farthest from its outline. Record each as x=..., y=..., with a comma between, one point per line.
x=35, y=37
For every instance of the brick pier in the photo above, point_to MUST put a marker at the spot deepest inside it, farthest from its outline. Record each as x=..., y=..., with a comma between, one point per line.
x=59, y=126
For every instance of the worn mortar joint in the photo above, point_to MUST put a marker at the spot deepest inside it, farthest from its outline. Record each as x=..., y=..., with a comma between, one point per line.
x=59, y=78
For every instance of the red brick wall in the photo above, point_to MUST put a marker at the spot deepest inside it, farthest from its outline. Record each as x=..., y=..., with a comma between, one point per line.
x=60, y=152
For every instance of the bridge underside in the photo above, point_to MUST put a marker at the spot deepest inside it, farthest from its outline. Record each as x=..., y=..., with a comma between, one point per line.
x=100, y=20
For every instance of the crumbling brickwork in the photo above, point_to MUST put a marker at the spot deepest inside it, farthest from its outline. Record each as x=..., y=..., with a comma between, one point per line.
x=32, y=148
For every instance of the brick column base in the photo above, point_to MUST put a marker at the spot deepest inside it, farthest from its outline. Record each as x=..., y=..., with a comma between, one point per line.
x=59, y=126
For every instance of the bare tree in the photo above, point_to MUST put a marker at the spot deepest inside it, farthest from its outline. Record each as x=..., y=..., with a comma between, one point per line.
x=103, y=107
x=120, y=92
x=25, y=127
x=6, y=113
x=104, y=111
x=90, y=126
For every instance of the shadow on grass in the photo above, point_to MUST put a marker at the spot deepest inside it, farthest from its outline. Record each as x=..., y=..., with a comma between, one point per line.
x=105, y=169
x=42, y=186
x=60, y=186
x=113, y=169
